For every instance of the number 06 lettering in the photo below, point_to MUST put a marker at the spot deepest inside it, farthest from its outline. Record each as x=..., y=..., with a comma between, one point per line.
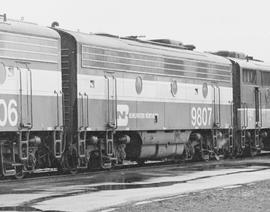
x=9, y=113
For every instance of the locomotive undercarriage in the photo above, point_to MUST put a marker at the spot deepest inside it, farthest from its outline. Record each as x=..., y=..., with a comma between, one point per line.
x=210, y=144
x=96, y=150
x=27, y=151
x=102, y=150
x=252, y=141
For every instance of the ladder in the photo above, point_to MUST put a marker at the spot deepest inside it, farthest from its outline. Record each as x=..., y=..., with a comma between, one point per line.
x=243, y=137
x=215, y=135
x=58, y=140
x=230, y=138
x=231, y=131
x=82, y=148
x=111, y=101
x=24, y=144
x=109, y=143
x=258, y=117
x=82, y=133
x=257, y=137
x=81, y=144
x=244, y=126
x=111, y=114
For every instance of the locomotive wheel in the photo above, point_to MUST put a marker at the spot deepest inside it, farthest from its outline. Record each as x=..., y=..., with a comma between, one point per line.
x=19, y=172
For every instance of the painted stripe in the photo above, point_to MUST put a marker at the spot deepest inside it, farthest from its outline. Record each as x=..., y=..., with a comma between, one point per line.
x=31, y=52
x=153, y=91
x=253, y=109
x=29, y=44
x=28, y=36
x=28, y=59
x=248, y=117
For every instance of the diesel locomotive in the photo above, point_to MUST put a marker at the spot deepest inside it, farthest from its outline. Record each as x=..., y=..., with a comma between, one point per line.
x=72, y=100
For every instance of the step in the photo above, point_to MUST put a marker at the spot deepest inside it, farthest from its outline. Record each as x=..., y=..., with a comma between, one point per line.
x=16, y=164
x=10, y=172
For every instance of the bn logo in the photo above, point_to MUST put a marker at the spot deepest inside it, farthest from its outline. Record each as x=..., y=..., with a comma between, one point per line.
x=122, y=115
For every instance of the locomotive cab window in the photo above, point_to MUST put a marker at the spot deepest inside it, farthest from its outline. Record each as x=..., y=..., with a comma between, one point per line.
x=265, y=78
x=249, y=76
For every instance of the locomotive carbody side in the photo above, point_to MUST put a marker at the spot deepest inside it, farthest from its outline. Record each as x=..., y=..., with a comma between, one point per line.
x=30, y=65
x=30, y=102
x=252, y=102
x=154, y=94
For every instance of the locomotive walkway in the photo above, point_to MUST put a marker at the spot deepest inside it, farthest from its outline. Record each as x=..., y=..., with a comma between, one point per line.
x=136, y=189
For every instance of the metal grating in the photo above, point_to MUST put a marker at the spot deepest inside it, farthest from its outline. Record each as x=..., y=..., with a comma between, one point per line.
x=112, y=59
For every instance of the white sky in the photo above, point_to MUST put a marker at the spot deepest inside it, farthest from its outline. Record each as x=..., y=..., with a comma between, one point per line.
x=211, y=25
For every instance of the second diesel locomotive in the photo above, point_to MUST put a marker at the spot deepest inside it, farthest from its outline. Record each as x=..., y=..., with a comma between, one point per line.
x=124, y=99
x=159, y=100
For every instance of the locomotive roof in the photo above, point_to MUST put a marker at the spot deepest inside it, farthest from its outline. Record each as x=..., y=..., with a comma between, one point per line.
x=136, y=46
x=252, y=64
x=20, y=27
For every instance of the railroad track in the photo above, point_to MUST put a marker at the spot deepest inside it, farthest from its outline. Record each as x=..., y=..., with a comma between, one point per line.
x=53, y=173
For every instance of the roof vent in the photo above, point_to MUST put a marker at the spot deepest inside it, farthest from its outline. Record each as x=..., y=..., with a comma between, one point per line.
x=168, y=41
x=107, y=35
x=237, y=55
x=172, y=43
x=4, y=17
x=190, y=47
x=232, y=54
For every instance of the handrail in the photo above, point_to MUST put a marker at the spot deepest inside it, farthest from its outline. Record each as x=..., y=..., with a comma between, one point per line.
x=80, y=94
x=31, y=95
x=260, y=108
x=108, y=99
x=87, y=109
x=219, y=109
x=63, y=108
x=246, y=114
x=21, y=104
x=57, y=108
x=30, y=125
x=231, y=108
x=112, y=108
x=243, y=108
x=214, y=104
x=115, y=102
x=217, y=106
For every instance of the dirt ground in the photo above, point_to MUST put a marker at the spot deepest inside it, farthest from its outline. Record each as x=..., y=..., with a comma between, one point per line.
x=245, y=198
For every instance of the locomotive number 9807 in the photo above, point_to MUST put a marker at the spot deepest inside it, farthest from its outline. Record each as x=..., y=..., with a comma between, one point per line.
x=201, y=116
